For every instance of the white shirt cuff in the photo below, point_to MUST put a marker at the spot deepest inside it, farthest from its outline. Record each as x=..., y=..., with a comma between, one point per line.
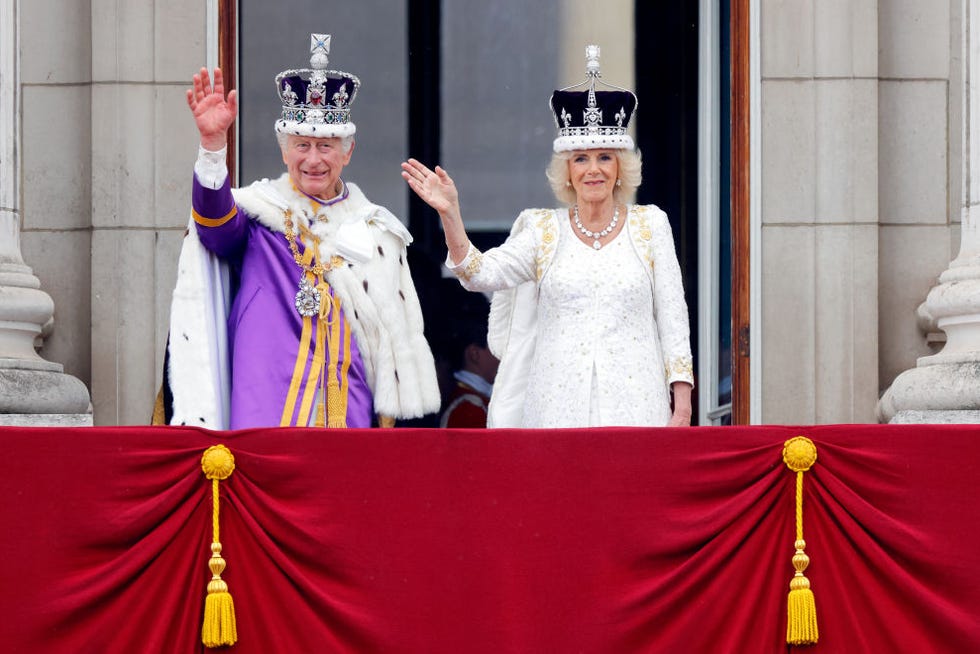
x=210, y=167
x=469, y=254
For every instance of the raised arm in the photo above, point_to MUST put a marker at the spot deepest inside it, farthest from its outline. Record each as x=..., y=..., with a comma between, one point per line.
x=219, y=225
x=436, y=188
x=213, y=112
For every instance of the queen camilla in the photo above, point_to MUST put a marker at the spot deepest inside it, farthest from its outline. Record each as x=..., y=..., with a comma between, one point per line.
x=588, y=315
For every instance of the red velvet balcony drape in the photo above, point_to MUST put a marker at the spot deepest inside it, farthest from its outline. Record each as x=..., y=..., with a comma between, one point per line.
x=596, y=541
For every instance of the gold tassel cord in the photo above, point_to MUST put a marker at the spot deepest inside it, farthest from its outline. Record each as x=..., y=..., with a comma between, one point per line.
x=799, y=455
x=219, y=627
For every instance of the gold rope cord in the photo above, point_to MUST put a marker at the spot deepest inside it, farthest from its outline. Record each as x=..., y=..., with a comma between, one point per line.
x=799, y=455
x=302, y=355
x=219, y=627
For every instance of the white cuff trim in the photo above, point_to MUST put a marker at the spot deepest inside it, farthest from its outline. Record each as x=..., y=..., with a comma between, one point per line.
x=210, y=167
x=469, y=253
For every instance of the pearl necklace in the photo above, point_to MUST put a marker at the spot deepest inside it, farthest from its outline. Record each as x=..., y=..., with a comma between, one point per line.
x=599, y=234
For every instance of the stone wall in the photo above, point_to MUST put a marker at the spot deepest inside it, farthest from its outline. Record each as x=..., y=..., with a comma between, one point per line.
x=820, y=211
x=919, y=169
x=107, y=151
x=858, y=138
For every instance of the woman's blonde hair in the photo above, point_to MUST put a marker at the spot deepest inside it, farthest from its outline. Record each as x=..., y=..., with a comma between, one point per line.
x=630, y=176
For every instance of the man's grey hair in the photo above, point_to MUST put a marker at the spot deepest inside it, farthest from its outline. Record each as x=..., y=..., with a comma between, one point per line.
x=346, y=142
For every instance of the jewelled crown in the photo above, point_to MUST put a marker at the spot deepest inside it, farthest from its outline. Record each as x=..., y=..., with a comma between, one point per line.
x=316, y=101
x=589, y=118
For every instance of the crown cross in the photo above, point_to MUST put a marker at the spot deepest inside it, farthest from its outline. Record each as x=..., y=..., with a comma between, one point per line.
x=592, y=61
x=315, y=91
x=592, y=116
x=319, y=49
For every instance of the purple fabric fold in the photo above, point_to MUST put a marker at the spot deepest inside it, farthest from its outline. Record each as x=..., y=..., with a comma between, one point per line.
x=264, y=328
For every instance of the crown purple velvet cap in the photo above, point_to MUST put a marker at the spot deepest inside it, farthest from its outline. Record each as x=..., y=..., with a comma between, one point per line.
x=316, y=101
x=589, y=119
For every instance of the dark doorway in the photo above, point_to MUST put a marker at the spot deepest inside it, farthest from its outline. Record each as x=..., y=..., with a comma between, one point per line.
x=667, y=129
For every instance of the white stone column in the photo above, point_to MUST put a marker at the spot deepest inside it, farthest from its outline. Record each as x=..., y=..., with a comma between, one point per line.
x=945, y=387
x=32, y=391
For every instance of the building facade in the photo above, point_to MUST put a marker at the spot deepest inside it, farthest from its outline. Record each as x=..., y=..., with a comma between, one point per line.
x=859, y=159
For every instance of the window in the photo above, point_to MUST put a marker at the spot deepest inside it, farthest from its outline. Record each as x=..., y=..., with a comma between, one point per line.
x=274, y=37
x=467, y=85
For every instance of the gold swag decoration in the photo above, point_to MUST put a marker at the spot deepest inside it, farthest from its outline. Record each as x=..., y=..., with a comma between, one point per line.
x=219, y=610
x=799, y=455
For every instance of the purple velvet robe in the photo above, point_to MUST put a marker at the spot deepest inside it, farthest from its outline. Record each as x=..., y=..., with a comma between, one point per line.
x=264, y=328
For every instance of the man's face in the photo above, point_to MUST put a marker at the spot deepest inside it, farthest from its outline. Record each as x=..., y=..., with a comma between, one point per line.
x=315, y=164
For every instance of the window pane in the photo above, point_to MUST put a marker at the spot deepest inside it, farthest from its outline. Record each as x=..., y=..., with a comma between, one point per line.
x=500, y=63
x=276, y=36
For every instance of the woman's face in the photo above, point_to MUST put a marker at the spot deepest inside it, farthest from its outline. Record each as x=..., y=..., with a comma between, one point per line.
x=593, y=174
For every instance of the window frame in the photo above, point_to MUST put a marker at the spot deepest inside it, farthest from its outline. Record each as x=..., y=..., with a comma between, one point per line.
x=222, y=49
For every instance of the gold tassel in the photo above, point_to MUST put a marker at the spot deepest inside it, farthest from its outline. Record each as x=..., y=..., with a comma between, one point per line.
x=219, y=627
x=159, y=415
x=336, y=397
x=800, y=454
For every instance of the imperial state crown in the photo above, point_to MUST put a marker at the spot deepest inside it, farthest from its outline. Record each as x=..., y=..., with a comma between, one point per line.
x=316, y=101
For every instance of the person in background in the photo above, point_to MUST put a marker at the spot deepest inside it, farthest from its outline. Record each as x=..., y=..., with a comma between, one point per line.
x=475, y=369
x=294, y=303
x=588, y=315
